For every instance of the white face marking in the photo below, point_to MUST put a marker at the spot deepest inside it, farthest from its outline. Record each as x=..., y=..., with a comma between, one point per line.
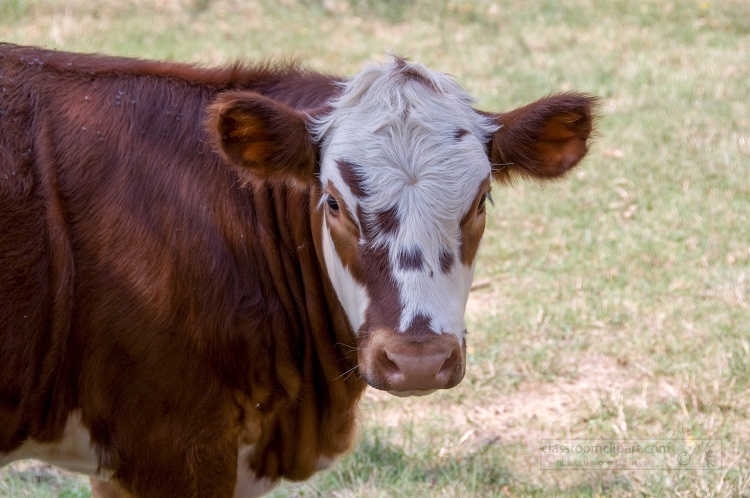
x=441, y=297
x=418, y=145
x=352, y=295
x=73, y=452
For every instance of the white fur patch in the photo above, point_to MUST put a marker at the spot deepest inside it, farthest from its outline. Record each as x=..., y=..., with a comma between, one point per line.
x=441, y=297
x=352, y=296
x=73, y=452
x=248, y=484
x=403, y=128
x=324, y=462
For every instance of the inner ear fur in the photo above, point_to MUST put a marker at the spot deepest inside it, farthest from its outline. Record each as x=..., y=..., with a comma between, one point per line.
x=542, y=140
x=259, y=135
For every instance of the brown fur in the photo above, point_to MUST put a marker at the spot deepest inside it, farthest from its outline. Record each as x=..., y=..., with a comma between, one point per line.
x=543, y=140
x=386, y=222
x=411, y=259
x=107, y=489
x=472, y=228
x=142, y=286
x=409, y=73
x=352, y=178
x=262, y=136
x=461, y=133
x=446, y=261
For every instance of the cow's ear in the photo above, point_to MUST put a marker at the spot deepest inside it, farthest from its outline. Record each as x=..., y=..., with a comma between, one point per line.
x=262, y=137
x=542, y=140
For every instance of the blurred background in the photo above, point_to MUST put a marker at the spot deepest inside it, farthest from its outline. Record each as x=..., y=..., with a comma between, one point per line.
x=613, y=305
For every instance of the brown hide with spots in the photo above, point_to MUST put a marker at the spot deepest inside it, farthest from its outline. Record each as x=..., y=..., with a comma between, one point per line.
x=141, y=285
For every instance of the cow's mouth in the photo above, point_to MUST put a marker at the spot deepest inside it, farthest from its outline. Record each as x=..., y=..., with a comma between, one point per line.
x=412, y=392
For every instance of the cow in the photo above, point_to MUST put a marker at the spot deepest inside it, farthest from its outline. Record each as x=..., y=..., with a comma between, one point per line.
x=201, y=269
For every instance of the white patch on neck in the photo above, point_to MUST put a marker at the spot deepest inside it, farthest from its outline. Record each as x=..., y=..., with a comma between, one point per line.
x=352, y=296
x=249, y=485
x=324, y=462
x=73, y=452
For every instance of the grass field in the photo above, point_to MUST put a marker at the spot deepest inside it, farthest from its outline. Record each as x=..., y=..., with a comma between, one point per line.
x=616, y=304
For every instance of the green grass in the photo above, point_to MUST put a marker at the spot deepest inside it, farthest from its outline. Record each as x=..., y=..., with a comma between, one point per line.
x=41, y=481
x=618, y=305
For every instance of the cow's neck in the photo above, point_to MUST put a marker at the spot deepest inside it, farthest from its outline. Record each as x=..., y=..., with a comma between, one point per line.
x=296, y=432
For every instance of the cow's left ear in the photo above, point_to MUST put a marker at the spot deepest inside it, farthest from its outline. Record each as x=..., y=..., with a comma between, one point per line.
x=261, y=136
x=542, y=140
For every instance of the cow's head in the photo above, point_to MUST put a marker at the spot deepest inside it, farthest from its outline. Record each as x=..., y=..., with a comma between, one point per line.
x=401, y=166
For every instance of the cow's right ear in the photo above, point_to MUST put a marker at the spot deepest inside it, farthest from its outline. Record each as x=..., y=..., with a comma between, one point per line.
x=262, y=137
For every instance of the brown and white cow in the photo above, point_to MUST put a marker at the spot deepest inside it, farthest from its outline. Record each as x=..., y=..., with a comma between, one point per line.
x=202, y=269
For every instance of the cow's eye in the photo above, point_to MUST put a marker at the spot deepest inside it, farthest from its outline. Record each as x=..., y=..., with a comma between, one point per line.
x=332, y=204
x=486, y=197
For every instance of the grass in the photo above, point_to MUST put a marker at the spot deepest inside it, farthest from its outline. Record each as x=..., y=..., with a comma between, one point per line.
x=618, y=306
x=39, y=480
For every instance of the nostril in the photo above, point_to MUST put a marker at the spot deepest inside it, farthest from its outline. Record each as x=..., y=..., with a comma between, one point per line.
x=387, y=365
x=449, y=367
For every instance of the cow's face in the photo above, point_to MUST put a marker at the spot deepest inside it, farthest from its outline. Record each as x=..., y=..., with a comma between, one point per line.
x=405, y=178
x=404, y=173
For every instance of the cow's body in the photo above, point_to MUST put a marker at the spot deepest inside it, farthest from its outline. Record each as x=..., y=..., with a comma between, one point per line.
x=162, y=323
x=132, y=263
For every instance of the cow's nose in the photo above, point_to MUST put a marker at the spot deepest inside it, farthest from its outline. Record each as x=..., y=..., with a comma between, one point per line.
x=411, y=363
x=407, y=370
x=411, y=368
